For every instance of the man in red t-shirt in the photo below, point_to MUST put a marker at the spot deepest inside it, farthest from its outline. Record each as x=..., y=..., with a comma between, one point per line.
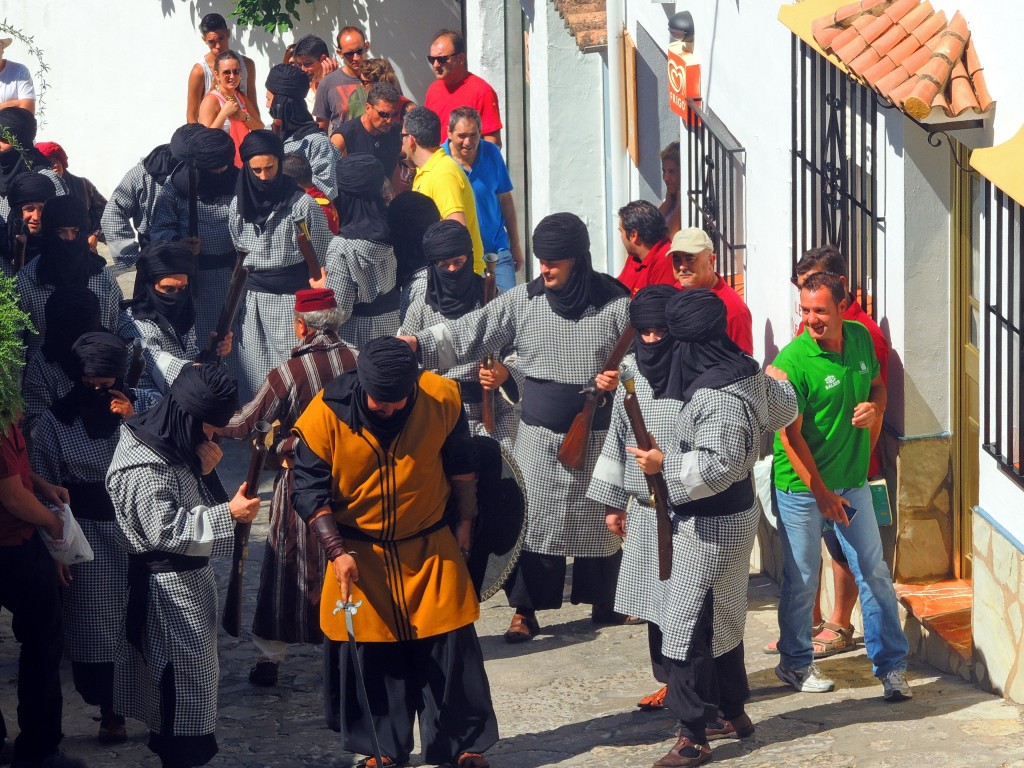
x=693, y=259
x=456, y=86
x=644, y=234
x=28, y=589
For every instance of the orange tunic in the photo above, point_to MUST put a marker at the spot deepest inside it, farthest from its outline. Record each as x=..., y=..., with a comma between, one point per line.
x=412, y=586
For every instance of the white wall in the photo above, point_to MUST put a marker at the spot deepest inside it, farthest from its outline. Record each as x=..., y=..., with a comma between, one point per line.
x=118, y=70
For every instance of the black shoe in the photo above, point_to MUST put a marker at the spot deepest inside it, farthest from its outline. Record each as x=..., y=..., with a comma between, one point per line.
x=264, y=674
x=56, y=760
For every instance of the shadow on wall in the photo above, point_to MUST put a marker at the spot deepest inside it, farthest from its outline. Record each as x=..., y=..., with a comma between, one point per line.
x=400, y=32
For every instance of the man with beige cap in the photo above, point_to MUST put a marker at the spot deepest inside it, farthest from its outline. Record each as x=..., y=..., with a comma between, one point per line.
x=693, y=259
x=16, y=87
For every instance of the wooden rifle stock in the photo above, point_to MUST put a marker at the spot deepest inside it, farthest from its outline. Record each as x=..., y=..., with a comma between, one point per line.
x=573, y=452
x=232, y=619
x=655, y=483
x=306, y=249
x=136, y=367
x=490, y=291
x=236, y=291
x=193, y=201
x=20, y=244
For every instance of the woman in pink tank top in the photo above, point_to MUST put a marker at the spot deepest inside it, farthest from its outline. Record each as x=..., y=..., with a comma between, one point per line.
x=225, y=106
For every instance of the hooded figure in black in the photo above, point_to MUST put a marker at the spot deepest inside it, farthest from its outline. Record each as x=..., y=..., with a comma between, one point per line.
x=173, y=312
x=257, y=198
x=408, y=217
x=702, y=354
x=27, y=188
x=564, y=236
x=20, y=124
x=361, y=210
x=212, y=153
x=96, y=355
x=66, y=261
x=451, y=292
x=289, y=86
x=70, y=312
x=653, y=358
x=160, y=162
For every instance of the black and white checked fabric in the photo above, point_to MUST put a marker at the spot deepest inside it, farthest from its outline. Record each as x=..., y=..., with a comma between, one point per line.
x=415, y=287
x=58, y=185
x=717, y=439
x=323, y=158
x=165, y=354
x=165, y=508
x=562, y=520
x=33, y=296
x=266, y=319
x=129, y=211
x=44, y=383
x=506, y=416
x=359, y=271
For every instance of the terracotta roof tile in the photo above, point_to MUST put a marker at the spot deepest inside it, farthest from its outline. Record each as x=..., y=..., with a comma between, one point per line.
x=587, y=21
x=909, y=53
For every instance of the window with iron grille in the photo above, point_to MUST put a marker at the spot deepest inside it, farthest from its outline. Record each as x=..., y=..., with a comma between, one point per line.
x=834, y=192
x=714, y=188
x=1004, y=319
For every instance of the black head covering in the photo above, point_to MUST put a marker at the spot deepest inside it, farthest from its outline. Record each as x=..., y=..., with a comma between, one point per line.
x=703, y=355
x=409, y=215
x=174, y=427
x=361, y=208
x=69, y=312
x=290, y=85
x=172, y=312
x=29, y=188
x=654, y=359
x=207, y=150
x=257, y=199
x=564, y=236
x=98, y=354
x=161, y=161
x=21, y=124
x=66, y=262
x=453, y=294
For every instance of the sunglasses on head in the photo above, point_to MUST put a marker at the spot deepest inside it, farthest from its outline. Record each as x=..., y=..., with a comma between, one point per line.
x=354, y=52
x=442, y=60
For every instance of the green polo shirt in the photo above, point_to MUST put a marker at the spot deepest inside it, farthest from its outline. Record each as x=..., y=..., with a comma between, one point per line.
x=829, y=386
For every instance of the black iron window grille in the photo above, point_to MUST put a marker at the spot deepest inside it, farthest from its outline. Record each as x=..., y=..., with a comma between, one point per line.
x=714, y=187
x=1003, y=339
x=834, y=168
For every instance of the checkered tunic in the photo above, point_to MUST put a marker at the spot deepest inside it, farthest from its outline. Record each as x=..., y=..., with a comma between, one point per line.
x=210, y=286
x=129, y=211
x=58, y=184
x=323, y=158
x=165, y=508
x=266, y=318
x=94, y=603
x=44, y=384
x=360, y=271
x=415, y=288
x=287, y=606
x=165, y=353
x=562, y=520
x=506, y=420
x=33, y=296
x=717, y=439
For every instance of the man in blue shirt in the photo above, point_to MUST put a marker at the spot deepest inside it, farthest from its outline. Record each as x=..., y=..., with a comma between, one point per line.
x=492, y=188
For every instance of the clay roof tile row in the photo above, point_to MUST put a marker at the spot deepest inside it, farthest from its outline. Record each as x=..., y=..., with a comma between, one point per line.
x=909, y=54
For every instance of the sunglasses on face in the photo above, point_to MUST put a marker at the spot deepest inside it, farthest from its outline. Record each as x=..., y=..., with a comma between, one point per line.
x=384, y=115
x=442, y=60
x=353, y=53
x=233, y=72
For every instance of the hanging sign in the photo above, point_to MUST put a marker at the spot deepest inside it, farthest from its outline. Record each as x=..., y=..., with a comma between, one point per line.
x=683, y=79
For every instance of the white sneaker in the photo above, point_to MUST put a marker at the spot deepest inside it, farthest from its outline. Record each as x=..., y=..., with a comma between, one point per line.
x=895, y=686
x=806, y=680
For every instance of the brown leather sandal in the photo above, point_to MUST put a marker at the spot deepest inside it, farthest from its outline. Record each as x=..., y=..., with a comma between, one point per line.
x=840, y=640
x=522, y=629
x=772, y=649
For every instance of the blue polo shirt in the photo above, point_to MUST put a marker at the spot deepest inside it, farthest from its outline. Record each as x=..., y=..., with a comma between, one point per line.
x=489, y=178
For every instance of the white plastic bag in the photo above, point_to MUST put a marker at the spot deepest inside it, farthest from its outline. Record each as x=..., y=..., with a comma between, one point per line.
x=72, y=548
x=763, y=485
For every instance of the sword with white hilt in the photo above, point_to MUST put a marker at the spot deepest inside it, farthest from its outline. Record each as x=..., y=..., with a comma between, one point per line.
x=351, y=609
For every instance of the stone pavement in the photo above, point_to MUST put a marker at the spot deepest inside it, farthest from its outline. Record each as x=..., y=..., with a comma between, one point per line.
x=567, y=699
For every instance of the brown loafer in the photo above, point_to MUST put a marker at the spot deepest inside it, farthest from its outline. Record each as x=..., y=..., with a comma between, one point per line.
x=684, y=754
x=605, y=614
x=522, y=629
x=655, y=700
x=737, y=728
x=112, y=730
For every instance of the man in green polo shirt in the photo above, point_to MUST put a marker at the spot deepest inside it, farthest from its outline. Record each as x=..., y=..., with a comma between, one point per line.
x=821, y=470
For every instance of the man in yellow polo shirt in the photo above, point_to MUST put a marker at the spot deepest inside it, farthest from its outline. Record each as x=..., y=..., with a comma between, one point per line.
x=439, y=177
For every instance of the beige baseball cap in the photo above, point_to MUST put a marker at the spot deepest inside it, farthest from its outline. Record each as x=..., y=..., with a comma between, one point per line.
x=691, y=240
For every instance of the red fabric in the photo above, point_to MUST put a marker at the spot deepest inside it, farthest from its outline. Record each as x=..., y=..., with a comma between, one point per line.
x=13, y=462
x=333, y=222
x=739, y=323
x=472, y=92
x=856, y=312
x=53, y=152
x=655, y=269
x=314, y=299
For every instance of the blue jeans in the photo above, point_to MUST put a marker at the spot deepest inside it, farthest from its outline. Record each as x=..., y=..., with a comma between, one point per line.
x=505, y=271
x=800, y=527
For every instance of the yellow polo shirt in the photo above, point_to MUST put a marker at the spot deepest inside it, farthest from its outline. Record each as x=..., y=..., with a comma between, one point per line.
x=443, y=181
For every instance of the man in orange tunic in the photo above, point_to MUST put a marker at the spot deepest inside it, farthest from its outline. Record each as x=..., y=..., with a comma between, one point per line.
x=379, y=452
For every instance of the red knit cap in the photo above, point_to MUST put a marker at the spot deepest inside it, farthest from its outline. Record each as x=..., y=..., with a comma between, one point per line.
x=53, y=152
x=314, y=299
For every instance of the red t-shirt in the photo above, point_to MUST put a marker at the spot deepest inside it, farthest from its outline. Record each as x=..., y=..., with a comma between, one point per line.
x=655, y=269
x=472, y=92
x=13, y=462
x=333, y=222
x=739, y=325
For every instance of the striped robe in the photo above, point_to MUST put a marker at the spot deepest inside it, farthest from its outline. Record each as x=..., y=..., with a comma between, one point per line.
x=288, y=602
x=562, y=520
